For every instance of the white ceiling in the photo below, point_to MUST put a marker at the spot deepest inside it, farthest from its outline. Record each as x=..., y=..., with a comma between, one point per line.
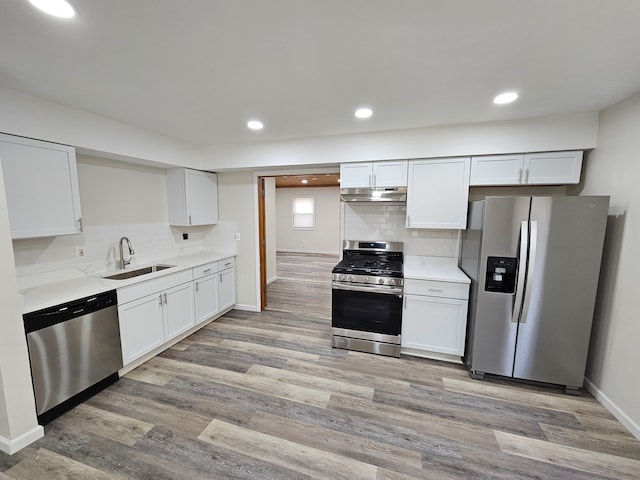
x=197, y=70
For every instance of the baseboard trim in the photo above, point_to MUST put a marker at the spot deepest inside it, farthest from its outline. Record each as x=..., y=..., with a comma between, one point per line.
x=11, y=446
x=606, y=402
x=246, y=308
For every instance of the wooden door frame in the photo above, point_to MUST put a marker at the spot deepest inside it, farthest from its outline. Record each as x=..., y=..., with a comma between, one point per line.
x=262, y=242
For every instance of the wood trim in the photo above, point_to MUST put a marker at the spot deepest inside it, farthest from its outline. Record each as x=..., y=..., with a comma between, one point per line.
x=262, y=239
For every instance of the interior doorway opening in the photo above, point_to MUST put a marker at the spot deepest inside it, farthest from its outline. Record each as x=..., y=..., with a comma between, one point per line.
x=276, y=229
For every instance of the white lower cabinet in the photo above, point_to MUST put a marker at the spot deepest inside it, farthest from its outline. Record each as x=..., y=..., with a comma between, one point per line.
x=206, y=297
x=178, y=310
x=153, y=312
x=434, y=319
x=141, y=327
x=215, y=288
x=227, y=288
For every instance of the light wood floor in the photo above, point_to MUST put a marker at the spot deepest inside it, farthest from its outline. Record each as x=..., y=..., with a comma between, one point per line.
x=263, y=396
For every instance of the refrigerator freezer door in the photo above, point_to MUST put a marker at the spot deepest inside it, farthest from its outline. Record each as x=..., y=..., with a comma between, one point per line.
x=554, y=331
x=492, y=331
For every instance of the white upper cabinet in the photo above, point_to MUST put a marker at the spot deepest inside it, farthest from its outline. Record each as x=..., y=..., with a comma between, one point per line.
x=390, y=173
x=41, y=185
x=550, y=168
x=438, y=192
x=192, y=197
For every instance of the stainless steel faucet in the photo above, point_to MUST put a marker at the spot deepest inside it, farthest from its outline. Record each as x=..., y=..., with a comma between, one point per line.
x=122, y=262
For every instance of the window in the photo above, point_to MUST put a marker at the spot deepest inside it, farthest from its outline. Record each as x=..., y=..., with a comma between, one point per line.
x=303, y=212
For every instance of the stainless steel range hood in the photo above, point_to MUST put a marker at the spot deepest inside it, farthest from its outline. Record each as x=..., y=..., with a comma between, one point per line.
x=371, y=194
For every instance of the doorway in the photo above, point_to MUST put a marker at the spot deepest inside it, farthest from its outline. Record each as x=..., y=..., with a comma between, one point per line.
x=275, y=221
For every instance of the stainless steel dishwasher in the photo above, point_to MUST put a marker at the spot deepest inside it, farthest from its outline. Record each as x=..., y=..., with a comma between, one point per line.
x=75, y=351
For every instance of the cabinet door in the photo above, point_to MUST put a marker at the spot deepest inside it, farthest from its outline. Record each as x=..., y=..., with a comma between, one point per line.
x=41, y=185
x=206, y=297
x=437, y=193
x=552, y=168
x=497, y=170
x=202, y=197
x=178, y=310
x=141, y=326
x=390, y=174
x=434, y=324
x=227, y=288
x=356, y=175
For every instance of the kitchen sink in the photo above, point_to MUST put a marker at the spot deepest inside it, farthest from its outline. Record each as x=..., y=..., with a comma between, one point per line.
x=138, y=272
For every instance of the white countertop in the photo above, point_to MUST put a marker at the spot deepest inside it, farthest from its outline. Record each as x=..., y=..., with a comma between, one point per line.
x=77, y=284
x=440, y=269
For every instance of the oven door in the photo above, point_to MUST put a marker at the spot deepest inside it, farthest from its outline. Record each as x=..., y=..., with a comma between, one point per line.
x=375, y=309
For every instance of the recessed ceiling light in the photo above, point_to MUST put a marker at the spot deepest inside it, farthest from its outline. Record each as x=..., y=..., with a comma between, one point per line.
x=506, y=97
x=363, y=112
x=304, y=180
x=255, y=124
x=57, y=8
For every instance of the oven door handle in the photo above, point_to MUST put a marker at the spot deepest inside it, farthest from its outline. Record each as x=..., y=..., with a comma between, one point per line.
x=371, y=289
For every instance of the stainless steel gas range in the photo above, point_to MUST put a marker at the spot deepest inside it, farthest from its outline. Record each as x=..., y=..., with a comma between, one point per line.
x=366, y=299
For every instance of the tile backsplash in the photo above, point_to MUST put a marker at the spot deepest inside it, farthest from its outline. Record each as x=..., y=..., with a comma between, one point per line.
x=377, y=221
x=151, y=242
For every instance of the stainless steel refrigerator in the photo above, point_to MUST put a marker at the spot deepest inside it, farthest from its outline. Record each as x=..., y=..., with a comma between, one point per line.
x=534, y=264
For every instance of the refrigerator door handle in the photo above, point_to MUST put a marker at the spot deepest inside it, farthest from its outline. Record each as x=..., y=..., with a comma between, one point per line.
x=524, y=245
x=533, y=243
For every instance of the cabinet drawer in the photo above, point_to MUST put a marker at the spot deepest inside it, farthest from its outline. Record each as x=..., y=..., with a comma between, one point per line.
x=436, y=289
x=144, y=288
x=206, y=269
x=226, y=263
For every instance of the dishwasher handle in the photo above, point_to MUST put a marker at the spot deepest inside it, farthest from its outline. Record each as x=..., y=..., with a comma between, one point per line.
x=49, y=316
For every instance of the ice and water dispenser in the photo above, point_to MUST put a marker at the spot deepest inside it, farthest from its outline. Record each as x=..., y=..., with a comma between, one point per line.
x=501, y=274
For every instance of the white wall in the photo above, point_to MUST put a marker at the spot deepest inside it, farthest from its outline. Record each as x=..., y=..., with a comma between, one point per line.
x=35, y=118
x=564, y=132
x=18, y=424
x=238, y=202
x=614, y=169
x=270, y=227
x=325, y=239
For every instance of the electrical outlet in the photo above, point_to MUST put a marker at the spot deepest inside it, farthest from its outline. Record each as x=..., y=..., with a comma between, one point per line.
x=236, y=236
x=80, y=252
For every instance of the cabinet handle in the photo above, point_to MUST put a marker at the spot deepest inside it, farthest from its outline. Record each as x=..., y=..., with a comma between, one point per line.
x=526, y=176
x=189, y=219
x=370, y=180
x=80, y=229
x=436, y=290
x=206, y=271
x=520, y=176
x=165, y=297
x=404, y=303
x=408, y=220
x=220, y=277
x=227, y=265
x=374, y=180
x=160, y=299
x=196, y=286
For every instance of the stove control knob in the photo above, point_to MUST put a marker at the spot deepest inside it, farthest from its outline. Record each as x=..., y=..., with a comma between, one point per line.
x=350, y=278
x=365, y=279
x=392, y=281
x=381, y=281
